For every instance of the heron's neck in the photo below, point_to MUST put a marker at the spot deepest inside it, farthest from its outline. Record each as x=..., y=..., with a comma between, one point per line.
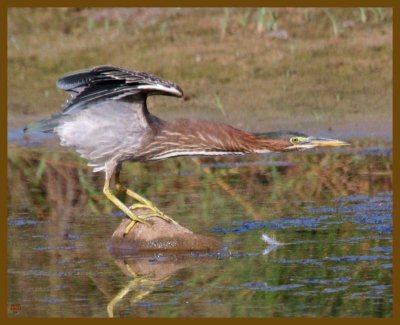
x=186, y=137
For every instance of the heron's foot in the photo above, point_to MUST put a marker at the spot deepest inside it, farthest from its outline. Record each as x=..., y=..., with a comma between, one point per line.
x=156, y=212
x=133, y=223
x=134, y=219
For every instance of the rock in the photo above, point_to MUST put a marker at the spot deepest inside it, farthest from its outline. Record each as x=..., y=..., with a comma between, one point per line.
x=162, y=236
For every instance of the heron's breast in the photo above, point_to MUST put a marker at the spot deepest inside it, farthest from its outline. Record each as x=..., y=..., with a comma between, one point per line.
x=101, y=133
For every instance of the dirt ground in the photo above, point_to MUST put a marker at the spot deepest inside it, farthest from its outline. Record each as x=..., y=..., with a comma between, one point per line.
x=323, y=71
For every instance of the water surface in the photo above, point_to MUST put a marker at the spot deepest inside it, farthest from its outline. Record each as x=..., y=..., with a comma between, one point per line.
x=332, y=210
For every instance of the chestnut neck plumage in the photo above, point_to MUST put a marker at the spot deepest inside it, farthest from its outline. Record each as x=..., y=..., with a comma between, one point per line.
x=184, y=137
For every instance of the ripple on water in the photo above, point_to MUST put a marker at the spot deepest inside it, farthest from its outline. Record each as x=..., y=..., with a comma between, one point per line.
x=327, y=281
x=371, y=214
x=365, y=258
x=57, y=248
x=333, y=290
x=24, y=222
x=262, y=286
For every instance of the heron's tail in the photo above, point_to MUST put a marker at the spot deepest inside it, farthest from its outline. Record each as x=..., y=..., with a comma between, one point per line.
x=46, y=125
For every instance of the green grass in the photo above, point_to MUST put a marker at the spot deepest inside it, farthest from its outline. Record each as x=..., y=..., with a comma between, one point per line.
x=39, y=175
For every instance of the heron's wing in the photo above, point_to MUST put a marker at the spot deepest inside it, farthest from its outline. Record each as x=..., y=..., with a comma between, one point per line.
x=111, y=83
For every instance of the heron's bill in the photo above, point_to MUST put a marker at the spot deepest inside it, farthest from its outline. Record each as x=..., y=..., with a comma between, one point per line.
x=321, y=142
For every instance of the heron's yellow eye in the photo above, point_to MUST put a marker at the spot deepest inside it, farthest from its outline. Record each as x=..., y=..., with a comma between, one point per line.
x=298, y=140
x=294, y=140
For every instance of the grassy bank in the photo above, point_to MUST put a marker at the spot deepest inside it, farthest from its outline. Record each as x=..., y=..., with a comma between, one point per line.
x=256, y=68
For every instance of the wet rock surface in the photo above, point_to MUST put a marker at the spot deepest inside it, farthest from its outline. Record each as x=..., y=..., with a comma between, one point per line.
x=161, y=236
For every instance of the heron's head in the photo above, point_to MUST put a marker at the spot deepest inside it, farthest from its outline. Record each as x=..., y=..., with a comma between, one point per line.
x=295, y=141
x=302, y=143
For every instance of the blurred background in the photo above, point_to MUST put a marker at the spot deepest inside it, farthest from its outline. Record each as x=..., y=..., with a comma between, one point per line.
x=321, y=71
x=257, y=68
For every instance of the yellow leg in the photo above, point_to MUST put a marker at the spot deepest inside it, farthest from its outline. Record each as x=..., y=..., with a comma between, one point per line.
x=143, y=206
x=141, y=284
x=123, y=207
x=146, y=204
x=157, y=212
x=129, y=227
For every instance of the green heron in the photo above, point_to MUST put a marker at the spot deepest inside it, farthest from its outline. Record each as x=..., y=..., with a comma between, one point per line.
x=107, y=122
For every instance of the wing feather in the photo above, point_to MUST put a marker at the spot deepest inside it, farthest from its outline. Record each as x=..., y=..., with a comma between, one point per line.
x=101, y=83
